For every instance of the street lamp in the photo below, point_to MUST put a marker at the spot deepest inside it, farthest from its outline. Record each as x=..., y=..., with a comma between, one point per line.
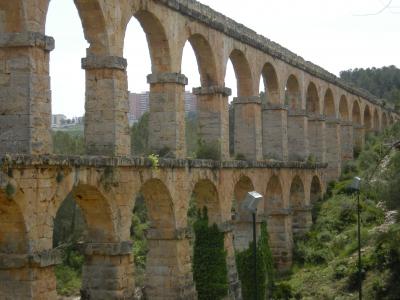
x=355, y=186
x=250, y=204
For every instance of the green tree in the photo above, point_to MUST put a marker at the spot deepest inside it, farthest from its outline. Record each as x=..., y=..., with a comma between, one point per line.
x=210, y=272
x=382, y=82
x=265, y=268
x=68, y=143
x=140, y=136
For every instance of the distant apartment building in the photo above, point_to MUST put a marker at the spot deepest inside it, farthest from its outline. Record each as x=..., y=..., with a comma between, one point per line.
x=61, y=121
x=57, y=120
x=139, y=104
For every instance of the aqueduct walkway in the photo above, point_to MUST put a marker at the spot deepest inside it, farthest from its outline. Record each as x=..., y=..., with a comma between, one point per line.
x=309, y=113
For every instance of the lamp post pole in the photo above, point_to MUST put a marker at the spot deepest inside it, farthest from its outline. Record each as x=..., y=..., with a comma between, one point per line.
x=255, y=255
x=249, y=204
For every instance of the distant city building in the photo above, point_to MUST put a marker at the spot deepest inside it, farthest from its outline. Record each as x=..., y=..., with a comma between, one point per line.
x=57, y=120
x=61, y=121
x=139, y=104
x=190, y=102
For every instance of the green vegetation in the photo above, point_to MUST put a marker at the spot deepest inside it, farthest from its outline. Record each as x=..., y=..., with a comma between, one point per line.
x=140, y=224
x=210, y=272
x=381, y=82
x=326, y=258
x=69, y=231
x=68, y=142
x=208, y=150
x=140, y=136
x=265, y=268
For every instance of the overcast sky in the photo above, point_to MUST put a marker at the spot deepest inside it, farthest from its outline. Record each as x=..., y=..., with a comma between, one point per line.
x=330, y=33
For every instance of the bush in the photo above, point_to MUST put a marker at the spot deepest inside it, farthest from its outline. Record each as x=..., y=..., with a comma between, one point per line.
x=283, y=291
x=265, y=269
x=69, y=273
x=208, y=150
x=209, y=260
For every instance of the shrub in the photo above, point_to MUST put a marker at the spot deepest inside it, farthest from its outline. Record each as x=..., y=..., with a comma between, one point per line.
x=240, y=156
x=265, y=269
x=209, y=260
x=209, y=150
x=283, y=291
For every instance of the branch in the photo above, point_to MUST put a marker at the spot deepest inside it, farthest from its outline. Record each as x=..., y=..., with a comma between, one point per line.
x=377, y=13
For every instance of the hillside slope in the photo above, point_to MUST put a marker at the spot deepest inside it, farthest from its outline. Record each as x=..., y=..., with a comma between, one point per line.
x=326, y=258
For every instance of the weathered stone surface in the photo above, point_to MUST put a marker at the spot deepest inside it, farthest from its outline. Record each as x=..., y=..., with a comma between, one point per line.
x=248, y=128
x=298, y=136
x=107, y=249
x=167, y=78
x=104, y=62
x=26, y=39
x=212, y=90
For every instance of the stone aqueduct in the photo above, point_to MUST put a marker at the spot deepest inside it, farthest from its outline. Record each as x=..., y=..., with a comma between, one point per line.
x=309, y=112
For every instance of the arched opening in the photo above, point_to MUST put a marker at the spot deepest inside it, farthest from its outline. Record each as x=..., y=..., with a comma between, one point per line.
x=67, y=78
x=376, y=120
x=147, y=52
x=316, y=190
x=230, y=82
x=332, y=136
x=384, y=121
x=346, y=130
x=13, y=239
x=243, y=219
x=280, y=240
x=343, y=109
x=83, y=218
x=205, y=195
x=292, y=93
x=157, y=42
x=367, y=118
x=269, y=83
x=245, y=112
x=154, y=241
x=329, y=105
x=206, y=113
x=356, y=113
x=297, y=203
x=316, y=131
x=315, y=196
x=211, y=245
x=13, y=242
x=358, y=136
x=244, y=79
x=312, y=103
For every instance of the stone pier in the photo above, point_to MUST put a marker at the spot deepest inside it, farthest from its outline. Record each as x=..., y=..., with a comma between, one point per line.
x=333, y=148
x=275, y=132
x=106, y=118
x=213, y=117
x=346, y=138
x=25, y=97
x=298, y=136
x=108, y=271
x=316, y=137
x=167, y=114
x=248, y=135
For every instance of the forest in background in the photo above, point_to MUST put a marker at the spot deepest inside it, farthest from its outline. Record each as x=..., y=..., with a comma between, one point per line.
x=382, y=82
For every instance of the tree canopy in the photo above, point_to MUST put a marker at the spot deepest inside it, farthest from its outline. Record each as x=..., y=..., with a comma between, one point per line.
x=382, y=82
